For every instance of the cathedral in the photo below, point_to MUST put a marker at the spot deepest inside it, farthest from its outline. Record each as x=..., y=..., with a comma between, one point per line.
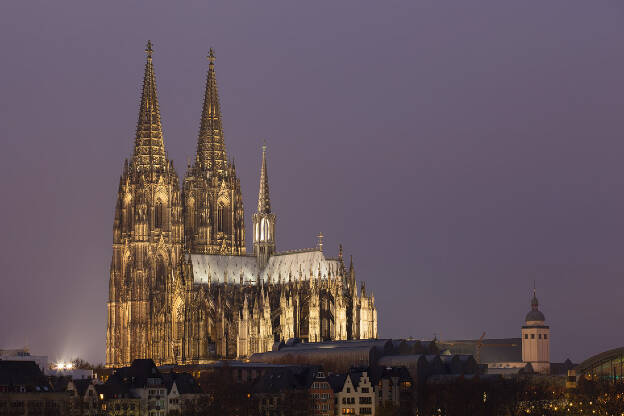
x=183, y=289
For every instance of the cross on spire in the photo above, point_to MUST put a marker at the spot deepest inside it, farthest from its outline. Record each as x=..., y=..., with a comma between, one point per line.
x=211, y=57
x=148, y=49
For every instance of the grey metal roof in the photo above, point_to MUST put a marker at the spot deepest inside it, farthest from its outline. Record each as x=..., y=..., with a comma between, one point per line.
x=218, y=268
x=492, y=350
x=535, y=315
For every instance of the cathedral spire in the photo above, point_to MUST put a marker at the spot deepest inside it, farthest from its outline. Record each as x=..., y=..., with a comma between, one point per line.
x=264, y=219
x=149, y=148
x=264, y=202
x=211, y=153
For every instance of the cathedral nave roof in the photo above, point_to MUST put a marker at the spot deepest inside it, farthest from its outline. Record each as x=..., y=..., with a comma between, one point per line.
x=215, y=267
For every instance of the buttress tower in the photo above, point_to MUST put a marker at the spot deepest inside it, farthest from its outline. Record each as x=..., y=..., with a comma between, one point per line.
x=147, y=239
x=214, y=220
x=263, y=219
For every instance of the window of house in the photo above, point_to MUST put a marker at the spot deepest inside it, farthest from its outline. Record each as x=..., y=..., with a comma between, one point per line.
x=348, y=390
x=364, y=389
x=545, y=336
x=532, y=336
x=366, y=411
x=540, y=336
x=526, y=336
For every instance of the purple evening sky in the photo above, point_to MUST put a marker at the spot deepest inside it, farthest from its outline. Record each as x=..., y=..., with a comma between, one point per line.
x=458, y=149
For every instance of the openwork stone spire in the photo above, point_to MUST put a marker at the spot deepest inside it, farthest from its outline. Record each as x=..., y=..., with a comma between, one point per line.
x=210, y=144
x=264, y=202
x=264, y=220
x=149, y=148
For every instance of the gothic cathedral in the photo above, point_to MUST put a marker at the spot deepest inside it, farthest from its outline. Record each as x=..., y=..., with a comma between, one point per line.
x=183, y=289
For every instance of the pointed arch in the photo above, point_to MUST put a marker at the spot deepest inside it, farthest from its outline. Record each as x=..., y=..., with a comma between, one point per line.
x=127, y=213
x=160, y=273
x=190, y=206
x=158, y=214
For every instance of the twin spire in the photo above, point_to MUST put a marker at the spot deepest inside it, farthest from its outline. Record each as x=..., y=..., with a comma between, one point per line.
x=211, y=153
x=149, y=148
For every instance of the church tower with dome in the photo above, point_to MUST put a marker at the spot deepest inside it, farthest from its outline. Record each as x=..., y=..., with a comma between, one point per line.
x=536, y=339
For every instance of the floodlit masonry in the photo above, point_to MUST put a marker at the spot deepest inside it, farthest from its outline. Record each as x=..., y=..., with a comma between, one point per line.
x=183, y=289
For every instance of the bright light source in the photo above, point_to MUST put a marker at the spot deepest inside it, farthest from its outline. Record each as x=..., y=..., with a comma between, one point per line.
x=69, y=366
x=60, y=366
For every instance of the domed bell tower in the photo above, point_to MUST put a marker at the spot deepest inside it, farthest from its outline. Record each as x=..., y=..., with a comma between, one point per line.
x=536, y=339
x=263, y=220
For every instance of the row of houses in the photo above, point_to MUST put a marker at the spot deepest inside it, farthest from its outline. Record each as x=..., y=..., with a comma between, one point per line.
x=356, y=377
x=140, y=389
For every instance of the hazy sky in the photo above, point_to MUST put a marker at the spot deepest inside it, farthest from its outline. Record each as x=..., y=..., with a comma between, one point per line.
x=458, y=149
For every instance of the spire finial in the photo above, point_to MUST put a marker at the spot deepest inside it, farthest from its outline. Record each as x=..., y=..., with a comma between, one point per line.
x=211, y=56
x=149, y=50
x=320, y=241
x=534, y=302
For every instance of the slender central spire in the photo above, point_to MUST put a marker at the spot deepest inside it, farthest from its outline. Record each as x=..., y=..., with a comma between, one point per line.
x=264, y=202
x=149, y=148
x=210, y=144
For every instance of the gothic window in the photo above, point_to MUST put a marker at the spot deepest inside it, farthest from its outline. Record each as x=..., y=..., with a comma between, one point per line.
x=127, y=216
x=264, y=229
x=179, y=329
x=128, y=274
x=158, y=215
x=221, y=218
x=161, y=274
x=191, y=214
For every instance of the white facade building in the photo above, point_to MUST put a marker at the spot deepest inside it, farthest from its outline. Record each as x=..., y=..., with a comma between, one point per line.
x=357, y=396
x=22, y=354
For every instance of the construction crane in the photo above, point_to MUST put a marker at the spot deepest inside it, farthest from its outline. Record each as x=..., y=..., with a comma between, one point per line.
x=479, y=344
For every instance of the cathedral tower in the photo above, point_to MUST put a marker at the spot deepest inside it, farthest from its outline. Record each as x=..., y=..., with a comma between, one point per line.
x=147, y=239
x=263, y=219
x=214, y=220
x=536, y=339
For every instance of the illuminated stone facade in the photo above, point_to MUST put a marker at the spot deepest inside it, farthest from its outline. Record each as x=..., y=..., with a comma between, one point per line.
x=182, y=288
